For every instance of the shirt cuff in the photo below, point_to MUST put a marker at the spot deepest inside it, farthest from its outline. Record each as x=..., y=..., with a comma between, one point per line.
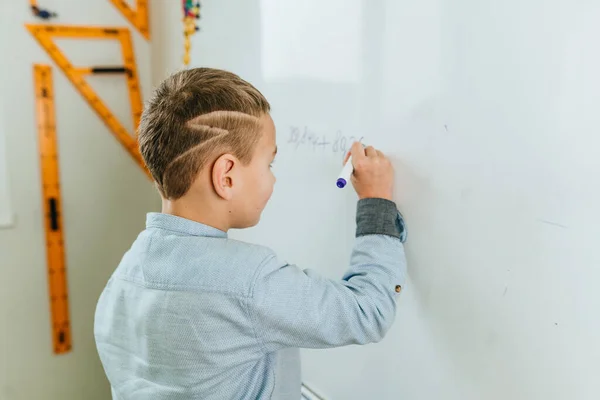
x=376, y=216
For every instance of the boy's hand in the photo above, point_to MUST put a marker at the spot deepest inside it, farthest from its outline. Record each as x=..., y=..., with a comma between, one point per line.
x=373, y=175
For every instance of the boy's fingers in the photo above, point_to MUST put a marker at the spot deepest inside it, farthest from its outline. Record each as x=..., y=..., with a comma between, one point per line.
x=371, y=152
x=357, y=151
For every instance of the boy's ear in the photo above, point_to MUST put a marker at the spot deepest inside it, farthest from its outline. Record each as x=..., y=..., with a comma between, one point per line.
x=222, y=176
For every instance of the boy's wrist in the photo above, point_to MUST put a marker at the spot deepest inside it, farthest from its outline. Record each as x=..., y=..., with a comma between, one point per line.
x=375, y=195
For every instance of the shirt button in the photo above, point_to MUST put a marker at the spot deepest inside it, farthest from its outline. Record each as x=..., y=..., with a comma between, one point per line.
x=398, y=288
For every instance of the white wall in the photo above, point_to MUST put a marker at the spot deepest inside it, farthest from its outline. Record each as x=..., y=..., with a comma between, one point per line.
x=167, y=39
x=105, y=198
x=6, y=215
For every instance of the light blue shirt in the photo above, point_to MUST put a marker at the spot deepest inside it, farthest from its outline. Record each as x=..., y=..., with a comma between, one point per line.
x=191, y=314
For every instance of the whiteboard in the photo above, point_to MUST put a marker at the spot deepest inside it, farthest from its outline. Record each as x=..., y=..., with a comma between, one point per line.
x=6, y=213
x=490, y=112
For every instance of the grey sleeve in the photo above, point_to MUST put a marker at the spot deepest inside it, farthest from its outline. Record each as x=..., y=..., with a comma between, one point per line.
x=376, y=216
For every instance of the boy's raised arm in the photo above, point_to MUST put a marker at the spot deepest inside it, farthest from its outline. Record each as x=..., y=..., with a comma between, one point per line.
x=291, y=307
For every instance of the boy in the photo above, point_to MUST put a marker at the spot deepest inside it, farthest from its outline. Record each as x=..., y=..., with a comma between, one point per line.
x=191, y=314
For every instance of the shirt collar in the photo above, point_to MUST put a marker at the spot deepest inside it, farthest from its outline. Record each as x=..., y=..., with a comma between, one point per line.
x=182, y=225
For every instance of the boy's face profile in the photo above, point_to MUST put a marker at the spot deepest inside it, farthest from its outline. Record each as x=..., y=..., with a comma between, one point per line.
x=254, y=186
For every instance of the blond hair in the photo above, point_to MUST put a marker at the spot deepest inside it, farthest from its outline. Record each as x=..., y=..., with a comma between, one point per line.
x=195, y=116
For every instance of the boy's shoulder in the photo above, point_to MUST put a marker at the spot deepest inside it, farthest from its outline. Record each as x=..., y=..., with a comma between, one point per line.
x=173, y=262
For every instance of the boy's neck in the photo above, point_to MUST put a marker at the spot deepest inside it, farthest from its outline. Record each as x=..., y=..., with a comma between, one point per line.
x=202, y=213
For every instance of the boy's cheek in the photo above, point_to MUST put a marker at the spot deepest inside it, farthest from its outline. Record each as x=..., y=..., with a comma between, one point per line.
x=268, y=193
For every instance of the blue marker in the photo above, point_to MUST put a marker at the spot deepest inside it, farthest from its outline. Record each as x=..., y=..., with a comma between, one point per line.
x=347, y=171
